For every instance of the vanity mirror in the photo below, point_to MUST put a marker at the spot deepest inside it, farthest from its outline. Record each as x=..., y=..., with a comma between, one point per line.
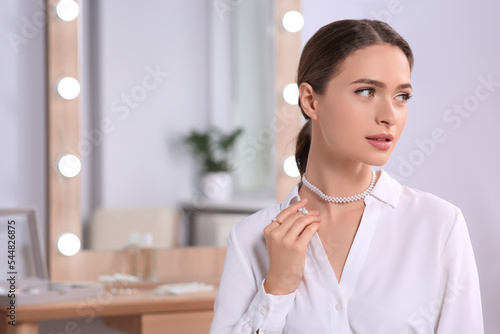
x=151, y=74
x=162, y=96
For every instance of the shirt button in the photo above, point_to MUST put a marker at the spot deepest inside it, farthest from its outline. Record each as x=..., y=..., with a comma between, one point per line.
x=338, y=307
x=263, y=311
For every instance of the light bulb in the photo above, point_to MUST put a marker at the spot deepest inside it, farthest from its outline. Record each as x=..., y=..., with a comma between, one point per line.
x=69, y=165
x=291, y=94
x=290, y=167
x=293, y=21
x=67, y=10
x=68, y=88
x=68, y=244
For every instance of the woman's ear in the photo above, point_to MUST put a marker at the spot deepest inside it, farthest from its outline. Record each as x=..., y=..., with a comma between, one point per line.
x=308, y=100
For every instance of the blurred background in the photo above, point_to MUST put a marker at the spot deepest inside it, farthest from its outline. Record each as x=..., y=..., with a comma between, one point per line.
x=153, y=71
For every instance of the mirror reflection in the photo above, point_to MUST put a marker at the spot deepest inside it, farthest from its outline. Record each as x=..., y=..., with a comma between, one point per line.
x=150, y=75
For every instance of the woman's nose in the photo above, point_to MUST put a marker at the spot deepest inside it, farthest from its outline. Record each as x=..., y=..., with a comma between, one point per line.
x=386, y=113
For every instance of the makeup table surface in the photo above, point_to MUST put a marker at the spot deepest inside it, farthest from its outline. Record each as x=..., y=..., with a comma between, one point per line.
x=136, y=311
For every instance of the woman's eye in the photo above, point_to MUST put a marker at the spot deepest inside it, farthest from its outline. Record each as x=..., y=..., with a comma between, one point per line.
x=365, y=92
x=403, y=97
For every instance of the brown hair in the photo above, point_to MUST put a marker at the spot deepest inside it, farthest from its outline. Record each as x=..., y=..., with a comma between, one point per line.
x=324, y=54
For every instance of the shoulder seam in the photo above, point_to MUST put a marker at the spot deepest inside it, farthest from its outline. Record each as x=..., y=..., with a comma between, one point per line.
x=457, y=218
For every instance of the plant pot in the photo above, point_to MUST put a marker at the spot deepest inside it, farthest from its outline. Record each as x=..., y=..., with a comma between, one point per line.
x=217, y=186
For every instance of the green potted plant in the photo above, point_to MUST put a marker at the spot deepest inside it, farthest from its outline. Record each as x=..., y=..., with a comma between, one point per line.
x=214, y=147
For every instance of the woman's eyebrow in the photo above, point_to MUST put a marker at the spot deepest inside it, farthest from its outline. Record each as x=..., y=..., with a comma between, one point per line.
x=380, y=84
x=406, y=85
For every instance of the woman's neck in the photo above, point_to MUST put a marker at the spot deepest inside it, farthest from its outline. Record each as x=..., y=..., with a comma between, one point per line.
x=338, y=179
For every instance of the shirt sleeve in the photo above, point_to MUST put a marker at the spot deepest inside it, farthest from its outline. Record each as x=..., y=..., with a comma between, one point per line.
x=242, y=306
x=461, y=308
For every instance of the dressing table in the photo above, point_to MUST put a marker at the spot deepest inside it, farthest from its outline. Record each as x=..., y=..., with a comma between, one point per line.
x=133, y=307
x=142, y=312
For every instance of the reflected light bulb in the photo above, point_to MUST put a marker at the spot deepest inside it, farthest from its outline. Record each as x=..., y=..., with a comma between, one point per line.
x=68, y=88
x=291, y=94
x=69, y=165
x=67, y=10
x=68, y=244
x=290, y=167
x=293, y=21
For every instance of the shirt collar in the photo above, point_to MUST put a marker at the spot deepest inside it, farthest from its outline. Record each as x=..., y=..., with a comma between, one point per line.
x=386, y=190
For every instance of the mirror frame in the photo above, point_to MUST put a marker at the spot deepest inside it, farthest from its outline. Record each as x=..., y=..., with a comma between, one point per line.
x=63, y=137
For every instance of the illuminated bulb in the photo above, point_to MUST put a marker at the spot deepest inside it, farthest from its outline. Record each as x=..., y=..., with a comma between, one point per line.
x=291, y=94
x=68, y=244
x=68, y=88
x=69, y=165
x=290, y=167
x=293, y=21
x=67, y=10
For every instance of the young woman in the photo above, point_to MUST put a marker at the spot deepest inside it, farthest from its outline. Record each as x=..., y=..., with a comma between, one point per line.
x=351, y=250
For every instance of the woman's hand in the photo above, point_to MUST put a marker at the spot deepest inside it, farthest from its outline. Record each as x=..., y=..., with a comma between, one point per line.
x=286, y=239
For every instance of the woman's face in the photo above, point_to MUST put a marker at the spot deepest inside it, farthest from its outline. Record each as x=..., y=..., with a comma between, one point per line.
x=363, y=111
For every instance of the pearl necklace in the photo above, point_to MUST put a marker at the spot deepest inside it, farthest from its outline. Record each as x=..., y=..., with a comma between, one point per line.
x=340, y=200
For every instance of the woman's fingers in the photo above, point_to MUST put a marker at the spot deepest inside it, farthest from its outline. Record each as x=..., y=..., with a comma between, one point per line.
x=288, y=233
x=291, y=223
x=284, y=216
x=287, y=237
x=296, y=220
x=292, y=209
x=301, y=223
x=307, y=234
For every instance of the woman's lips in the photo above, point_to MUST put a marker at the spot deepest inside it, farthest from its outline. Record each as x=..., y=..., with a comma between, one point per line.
x=381, y=141
x=380, y=144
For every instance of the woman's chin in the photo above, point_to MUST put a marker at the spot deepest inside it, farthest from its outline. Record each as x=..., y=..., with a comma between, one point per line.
x=375, y=157
x=378, y=161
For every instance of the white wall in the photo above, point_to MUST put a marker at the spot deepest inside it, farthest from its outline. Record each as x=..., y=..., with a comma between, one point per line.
x=22, y=107
x=454, y=44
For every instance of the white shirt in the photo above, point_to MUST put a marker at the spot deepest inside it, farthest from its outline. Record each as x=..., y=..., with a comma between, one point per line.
x=410, y=269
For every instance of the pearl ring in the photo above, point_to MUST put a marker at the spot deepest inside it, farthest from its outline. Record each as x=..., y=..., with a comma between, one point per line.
x=276, y=220
x=303, y=210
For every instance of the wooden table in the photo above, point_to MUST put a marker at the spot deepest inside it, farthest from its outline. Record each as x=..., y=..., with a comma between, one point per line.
x=141, y=312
